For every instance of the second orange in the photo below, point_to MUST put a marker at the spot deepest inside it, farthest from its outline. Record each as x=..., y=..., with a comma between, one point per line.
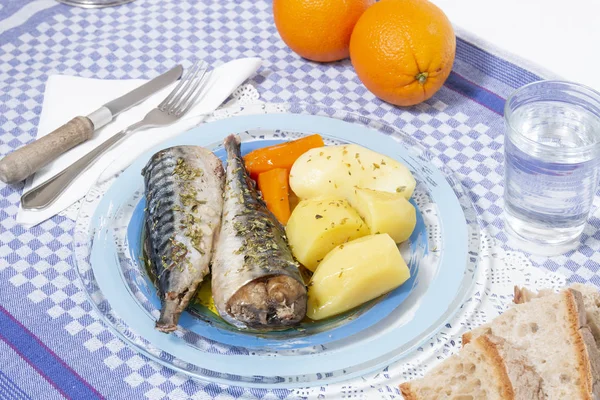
x=403, y=50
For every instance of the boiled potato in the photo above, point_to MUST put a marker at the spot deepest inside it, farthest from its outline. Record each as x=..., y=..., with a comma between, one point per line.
x=316, y=226
x=336, y=170
x=385, y=212
x=354, y=273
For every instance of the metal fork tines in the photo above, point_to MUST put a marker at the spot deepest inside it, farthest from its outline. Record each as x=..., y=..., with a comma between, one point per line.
x=188, y=86
x=173, y=107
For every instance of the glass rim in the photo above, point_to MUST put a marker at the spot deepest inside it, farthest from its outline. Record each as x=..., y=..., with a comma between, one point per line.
x=586, y=90
x=94, y=3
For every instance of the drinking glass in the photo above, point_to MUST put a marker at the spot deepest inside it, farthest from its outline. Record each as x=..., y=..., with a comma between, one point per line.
x=94, y=3
x=552, y=144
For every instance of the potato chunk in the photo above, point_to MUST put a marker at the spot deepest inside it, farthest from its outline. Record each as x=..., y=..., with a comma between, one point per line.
x=385, y=212
x=336, y=170
x=316, y=226
x=354, y=273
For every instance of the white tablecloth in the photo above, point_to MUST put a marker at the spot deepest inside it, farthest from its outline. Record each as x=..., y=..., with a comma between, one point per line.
x=560, y=37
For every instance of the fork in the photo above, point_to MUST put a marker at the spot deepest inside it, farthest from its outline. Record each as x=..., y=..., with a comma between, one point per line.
x=173, y=107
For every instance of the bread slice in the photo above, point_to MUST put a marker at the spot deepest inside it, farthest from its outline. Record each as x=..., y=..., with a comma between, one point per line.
x=487, y=368
x=553, y=332
x=591, y=303
x=523, y=295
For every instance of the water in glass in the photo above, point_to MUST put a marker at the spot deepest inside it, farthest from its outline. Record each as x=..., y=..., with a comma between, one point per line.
x=551, y=171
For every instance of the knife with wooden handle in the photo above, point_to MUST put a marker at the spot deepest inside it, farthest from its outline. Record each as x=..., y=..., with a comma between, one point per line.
x=25, y=161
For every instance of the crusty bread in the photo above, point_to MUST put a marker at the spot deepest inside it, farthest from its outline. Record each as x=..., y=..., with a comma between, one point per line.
x=487, y=368
x=523, y=295
x=553, y=332
x=591, y=302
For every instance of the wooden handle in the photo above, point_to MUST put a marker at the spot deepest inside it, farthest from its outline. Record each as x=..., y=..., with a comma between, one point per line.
x=25, y=161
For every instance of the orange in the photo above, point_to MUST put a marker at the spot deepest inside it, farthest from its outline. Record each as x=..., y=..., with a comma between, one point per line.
x=319, y=30
x=403, y=50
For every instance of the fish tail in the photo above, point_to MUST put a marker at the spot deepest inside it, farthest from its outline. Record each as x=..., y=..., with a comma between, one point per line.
x=169, y=316
x=232, y=146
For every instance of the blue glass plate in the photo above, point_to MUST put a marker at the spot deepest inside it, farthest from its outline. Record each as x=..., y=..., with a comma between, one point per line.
x=443, y=253
x=206, y=324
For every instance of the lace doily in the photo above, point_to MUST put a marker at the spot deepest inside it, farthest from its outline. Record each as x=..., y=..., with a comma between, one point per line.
x=497, y=274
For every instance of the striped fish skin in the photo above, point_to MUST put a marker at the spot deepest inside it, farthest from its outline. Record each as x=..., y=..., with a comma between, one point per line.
x=184, y=197
x=256, y=282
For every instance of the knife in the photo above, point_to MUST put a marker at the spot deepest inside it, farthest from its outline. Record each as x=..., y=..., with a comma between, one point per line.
x=25, y=161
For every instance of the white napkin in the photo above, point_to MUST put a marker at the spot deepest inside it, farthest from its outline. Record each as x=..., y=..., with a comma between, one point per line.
x=68, y=96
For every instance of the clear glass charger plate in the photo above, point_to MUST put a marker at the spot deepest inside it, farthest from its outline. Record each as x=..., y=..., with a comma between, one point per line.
x=116, y=286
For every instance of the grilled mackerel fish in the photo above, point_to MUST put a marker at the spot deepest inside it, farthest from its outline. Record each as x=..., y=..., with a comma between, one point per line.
x=256, y=282
x=184, y=197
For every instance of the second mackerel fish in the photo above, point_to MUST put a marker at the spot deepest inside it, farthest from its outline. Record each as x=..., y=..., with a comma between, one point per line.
x=256, y=282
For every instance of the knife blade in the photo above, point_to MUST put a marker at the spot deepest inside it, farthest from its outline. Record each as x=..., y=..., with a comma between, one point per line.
x=28, y=159
x=128, y=100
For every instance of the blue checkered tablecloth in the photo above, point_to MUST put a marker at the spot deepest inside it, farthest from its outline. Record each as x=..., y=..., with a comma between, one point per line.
x=51, y=344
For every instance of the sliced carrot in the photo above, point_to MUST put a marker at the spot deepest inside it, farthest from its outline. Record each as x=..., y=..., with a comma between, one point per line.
x=274, y=187
x=281, y=155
